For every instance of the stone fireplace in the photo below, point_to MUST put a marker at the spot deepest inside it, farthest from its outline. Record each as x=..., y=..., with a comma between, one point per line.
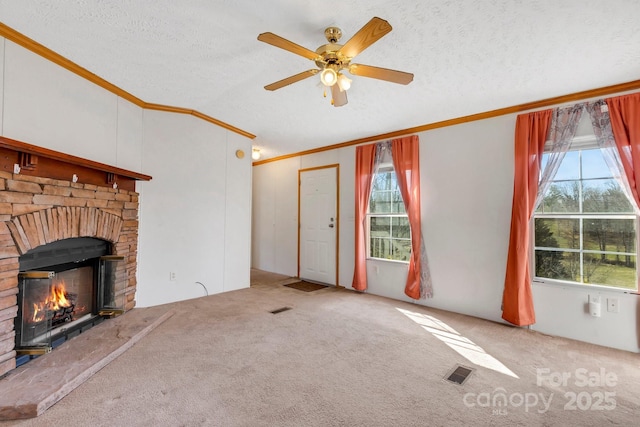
x=48, y=199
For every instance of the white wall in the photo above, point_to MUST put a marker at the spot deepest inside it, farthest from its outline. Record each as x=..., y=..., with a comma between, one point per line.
x=275, y=217
x=48, y=106
x=237, y=236
x=129, y=136
x=467, y=181
x=347, y=161
x=467, y=187
x=191, y=220
x=194, y=213
x=563, y=311
x=45, y=105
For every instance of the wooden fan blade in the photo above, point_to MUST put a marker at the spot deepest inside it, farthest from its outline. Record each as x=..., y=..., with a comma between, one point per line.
x=339, y=97
x=285, y=44
x=373, y=31
x=393, y=76
x=296, y=78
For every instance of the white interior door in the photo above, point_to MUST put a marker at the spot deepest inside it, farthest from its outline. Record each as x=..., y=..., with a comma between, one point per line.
x=318, y=225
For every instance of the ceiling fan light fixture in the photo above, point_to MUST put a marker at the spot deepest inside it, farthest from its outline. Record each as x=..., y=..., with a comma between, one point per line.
x=344, y=82
x=328, y=77
x=333, y=58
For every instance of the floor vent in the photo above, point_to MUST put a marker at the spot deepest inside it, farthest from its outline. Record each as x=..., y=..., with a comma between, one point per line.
x=459, y=375
x=280, y=310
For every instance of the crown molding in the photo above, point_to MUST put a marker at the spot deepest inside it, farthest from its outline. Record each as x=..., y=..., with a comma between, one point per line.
x=563, y=99
x=43, y=51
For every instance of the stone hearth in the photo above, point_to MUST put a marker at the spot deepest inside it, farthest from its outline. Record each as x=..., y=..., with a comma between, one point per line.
x=32, y=388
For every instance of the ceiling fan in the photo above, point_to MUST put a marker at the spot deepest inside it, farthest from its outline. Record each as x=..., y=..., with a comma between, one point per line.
x=333, y=59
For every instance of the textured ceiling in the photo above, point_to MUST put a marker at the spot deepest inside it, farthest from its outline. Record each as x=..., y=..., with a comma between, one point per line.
x=468, y=56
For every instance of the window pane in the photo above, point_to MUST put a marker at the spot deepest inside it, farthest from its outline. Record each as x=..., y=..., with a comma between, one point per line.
x=398, y=203
x=593, y=165
x=380, y=227
x=401, y=250
x=380, y=202
x=570, y=167
x=613, y=235
x=389, y=236
x=380, y=248
x=557, y=233
x=400, y=227
x=604, y=196
x=562, y=197
x=585, y=189
x=557, y=265
x=393, y=182
x=381, y=181
x=543, y=162
x=611, y=270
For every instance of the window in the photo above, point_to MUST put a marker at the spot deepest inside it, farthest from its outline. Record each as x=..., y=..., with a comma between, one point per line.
x=389, y=230
x=585, y=228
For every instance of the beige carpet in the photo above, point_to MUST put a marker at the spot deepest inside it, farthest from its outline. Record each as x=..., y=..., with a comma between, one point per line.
x=339, y=358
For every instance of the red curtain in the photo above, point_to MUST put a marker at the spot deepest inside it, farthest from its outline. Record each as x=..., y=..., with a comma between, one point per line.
x=624, y=112
x=365, y=159
x=530, y=137
x=406, y=162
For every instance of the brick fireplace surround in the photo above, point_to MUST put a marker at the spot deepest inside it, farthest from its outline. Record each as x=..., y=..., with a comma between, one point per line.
x=36, y=210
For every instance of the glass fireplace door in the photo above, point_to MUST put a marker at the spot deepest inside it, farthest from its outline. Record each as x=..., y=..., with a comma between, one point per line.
x=112, y=283
x=36, y=312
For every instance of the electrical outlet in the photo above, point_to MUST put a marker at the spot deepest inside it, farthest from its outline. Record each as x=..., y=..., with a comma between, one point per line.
x=612, y=305
x=172, y=276
x=595, y=299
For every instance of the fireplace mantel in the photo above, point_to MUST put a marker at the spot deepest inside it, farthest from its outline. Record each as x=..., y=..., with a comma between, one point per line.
x=44, y=163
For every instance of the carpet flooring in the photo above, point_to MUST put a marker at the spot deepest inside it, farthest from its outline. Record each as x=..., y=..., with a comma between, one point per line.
x=341, y=358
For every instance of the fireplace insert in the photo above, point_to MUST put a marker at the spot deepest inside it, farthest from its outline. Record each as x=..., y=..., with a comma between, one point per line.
x=65, y=288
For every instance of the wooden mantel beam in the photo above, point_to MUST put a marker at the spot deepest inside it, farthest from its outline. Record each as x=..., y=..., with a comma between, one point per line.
x=23, y=147
x=26, y=159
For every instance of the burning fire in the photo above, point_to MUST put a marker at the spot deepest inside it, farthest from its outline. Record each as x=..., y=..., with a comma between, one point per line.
x=54, y=302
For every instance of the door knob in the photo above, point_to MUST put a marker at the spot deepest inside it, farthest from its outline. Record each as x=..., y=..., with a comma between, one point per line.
x=330, y=225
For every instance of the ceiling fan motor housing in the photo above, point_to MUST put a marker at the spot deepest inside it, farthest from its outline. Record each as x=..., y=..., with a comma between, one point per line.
x=330, y=57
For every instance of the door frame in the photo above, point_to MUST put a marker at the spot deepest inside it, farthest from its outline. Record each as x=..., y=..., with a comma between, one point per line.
x=335, y=166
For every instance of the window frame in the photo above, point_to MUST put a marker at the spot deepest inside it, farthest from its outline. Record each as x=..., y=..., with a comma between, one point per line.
x=385, y=168
x=580, y=144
